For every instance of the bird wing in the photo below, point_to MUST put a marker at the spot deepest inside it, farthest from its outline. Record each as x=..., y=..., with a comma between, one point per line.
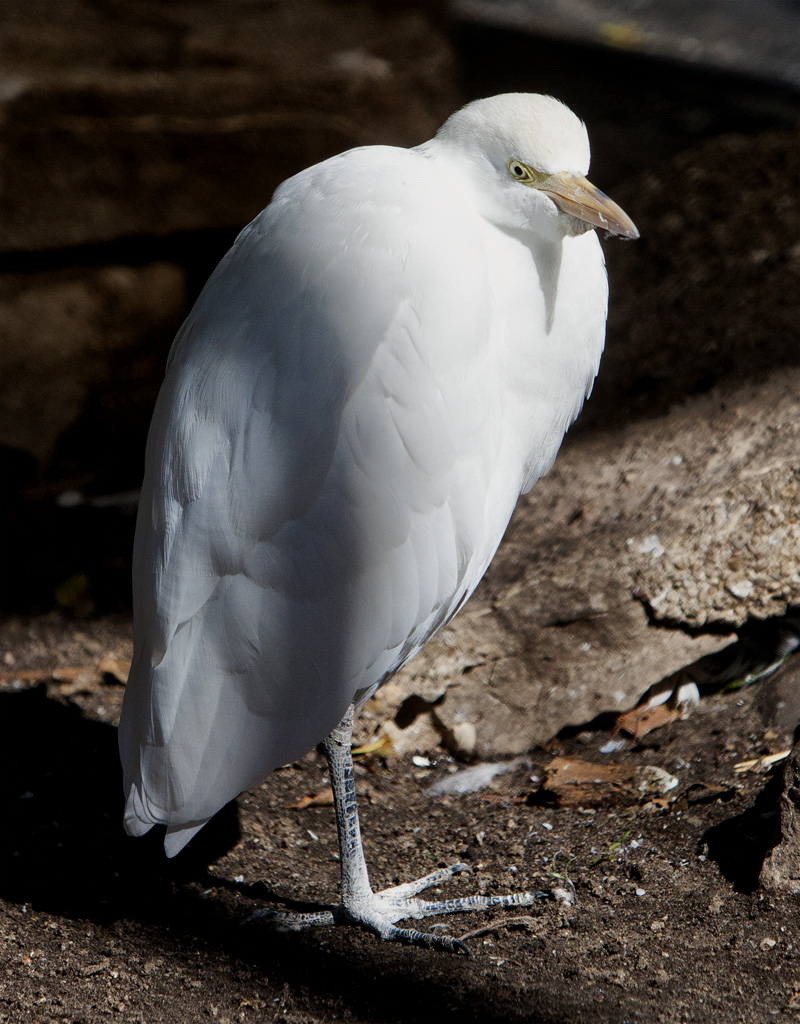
x=313, y=498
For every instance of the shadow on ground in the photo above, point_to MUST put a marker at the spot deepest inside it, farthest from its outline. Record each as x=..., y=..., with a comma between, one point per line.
x=740, y=844
x=63, y=855
x=63, y=849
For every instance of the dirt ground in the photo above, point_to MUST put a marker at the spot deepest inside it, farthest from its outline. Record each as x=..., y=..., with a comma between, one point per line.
x=659, y=916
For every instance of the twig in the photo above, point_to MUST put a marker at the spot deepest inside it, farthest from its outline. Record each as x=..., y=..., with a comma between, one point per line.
x=504, y=922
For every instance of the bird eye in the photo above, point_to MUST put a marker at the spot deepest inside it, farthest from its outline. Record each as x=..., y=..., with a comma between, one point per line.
x=518, y=170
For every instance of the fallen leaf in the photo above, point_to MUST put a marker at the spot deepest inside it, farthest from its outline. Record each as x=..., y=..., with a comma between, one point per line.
x=73, y=678
x=119, y=668
x=761, y=764
x=322, y=799
x=382, y=745
x=72, y=681
x=26, y=675
x=642, y=720
x=570, y=781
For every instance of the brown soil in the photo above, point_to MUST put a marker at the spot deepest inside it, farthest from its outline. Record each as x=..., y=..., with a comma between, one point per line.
x=667, y=922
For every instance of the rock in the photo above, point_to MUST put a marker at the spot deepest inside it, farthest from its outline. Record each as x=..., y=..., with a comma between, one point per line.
x=117, y=123
x=781, y=870
x=740, y=511
x=132, y=137
x=66, y=334
x=419, y=737
x=463, y=739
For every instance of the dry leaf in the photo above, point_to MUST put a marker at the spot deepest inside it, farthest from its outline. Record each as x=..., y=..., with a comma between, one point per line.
x=640, y=721
x=95, y=968
x=26, y=675
x=74, y=678
x=570, y=781
x=761, y=764
x=77, y=680
x=71, y=679
x=119, y=668
x=322, y=799
x=382, y=745
x=502, y=798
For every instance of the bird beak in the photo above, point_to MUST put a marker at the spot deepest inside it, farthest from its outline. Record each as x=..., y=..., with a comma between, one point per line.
x=577, y=196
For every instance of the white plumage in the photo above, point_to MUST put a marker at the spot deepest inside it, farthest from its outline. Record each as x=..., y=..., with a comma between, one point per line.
x=387, y=357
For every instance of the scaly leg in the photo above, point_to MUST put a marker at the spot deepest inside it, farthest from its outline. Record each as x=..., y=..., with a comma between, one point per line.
x=379, y=911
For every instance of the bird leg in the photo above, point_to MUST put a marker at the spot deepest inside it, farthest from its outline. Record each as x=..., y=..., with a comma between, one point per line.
x=379, y=911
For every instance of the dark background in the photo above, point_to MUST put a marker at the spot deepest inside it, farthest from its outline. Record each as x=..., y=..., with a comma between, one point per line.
x=138, y=137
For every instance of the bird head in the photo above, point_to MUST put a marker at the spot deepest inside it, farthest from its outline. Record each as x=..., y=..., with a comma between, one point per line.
x=525, y=158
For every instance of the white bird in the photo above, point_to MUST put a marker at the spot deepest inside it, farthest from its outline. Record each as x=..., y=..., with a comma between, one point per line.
x=389, y=355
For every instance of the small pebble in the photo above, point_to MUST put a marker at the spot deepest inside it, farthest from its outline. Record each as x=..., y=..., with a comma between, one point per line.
x=741, y=588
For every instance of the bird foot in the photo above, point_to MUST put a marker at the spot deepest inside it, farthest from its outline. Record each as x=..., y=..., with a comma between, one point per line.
x=379, y=912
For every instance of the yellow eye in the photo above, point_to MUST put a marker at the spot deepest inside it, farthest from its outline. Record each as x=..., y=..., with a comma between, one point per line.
x=526, y=175
x=519, y=171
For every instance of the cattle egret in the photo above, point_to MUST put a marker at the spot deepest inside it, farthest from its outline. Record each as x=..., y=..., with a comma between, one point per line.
x=389, y=355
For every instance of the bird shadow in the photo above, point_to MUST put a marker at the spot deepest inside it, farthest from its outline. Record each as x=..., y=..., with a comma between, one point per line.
x=62, y=848
x=63, y=852
x=740, y=844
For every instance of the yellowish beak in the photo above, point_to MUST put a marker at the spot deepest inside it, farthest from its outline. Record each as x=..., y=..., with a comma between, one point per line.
x=577, y=196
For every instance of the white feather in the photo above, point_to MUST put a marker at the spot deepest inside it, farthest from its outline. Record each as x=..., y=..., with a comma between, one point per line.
x=372, y=375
